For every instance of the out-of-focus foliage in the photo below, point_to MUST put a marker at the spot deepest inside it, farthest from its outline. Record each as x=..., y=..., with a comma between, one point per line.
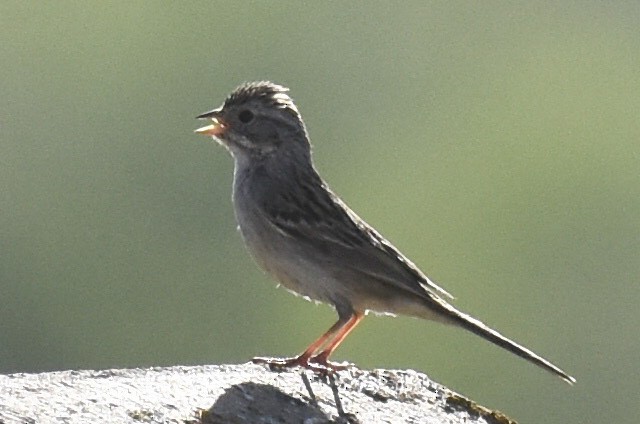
x=497, y=144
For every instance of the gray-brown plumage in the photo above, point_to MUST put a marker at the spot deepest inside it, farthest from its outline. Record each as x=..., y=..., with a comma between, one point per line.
x=309, y=240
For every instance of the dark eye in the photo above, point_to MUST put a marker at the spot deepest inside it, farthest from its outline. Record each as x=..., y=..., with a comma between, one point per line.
x=245, y=116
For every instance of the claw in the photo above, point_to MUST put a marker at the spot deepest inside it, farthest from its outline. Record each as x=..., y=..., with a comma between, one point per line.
x=318, y=364
x=333, y=366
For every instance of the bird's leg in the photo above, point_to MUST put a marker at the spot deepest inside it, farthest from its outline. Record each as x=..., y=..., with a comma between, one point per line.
x=318, y=363
x=341, y=333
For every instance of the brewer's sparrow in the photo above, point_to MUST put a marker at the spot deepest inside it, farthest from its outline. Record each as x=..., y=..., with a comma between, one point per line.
x=300, y=232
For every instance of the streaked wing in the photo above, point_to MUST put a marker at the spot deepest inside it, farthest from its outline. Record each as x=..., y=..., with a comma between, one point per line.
x=319, y=219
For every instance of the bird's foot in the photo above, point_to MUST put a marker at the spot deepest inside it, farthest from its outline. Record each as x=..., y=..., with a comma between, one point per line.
x=323, y=360
x=318, y=364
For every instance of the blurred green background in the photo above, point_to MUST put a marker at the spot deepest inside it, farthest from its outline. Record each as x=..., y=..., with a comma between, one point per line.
x=496, y=144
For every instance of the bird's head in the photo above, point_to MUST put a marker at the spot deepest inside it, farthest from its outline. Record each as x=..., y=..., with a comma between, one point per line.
x=257, y=119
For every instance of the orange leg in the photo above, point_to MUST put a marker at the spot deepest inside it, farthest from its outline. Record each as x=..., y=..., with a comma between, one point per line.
x=322, y=358
x=319, y=362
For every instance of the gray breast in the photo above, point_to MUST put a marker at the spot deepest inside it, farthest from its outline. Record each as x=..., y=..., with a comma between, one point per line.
x=276, y=252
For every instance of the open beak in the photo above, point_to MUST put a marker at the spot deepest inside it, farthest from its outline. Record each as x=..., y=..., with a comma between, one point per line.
x=217, y=126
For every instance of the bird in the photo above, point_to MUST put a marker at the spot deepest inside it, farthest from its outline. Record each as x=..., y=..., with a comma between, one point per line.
x=306, y=237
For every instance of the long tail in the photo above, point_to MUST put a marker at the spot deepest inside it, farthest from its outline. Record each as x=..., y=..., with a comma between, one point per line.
x=479, y=328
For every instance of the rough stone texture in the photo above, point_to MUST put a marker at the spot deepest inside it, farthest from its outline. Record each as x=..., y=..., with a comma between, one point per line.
x=233, y=394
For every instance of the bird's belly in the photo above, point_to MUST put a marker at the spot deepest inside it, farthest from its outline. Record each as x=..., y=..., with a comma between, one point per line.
x=277, y=254
x=291, y=272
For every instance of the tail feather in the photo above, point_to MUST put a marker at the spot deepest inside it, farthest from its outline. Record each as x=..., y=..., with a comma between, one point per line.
x=479, y=328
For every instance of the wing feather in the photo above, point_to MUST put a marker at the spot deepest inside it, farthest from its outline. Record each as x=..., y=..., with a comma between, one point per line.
x=320, y=220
